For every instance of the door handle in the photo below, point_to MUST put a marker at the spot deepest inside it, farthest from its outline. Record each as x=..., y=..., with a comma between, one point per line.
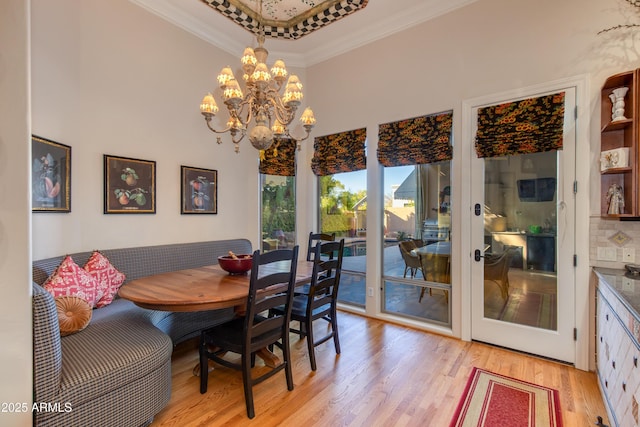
x=478, y=255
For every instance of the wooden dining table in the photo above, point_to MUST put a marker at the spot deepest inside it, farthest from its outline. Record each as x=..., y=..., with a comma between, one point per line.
x=205, y=288
x=201, y=288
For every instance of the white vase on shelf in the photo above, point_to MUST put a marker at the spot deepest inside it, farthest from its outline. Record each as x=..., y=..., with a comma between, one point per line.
x=617, y=103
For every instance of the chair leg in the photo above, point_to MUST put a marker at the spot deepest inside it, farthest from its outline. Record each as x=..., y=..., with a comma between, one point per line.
x=246, y=381
x=286, y=355
x=334, y=326
x=310, y=344
x=204, y=367
x=421, y=294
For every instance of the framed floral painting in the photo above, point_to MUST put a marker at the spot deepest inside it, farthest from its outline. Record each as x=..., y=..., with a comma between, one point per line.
x=51, y=176
x=129, y=185
x=199, y=194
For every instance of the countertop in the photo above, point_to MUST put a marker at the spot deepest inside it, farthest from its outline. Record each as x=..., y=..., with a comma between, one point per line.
x=625, y=286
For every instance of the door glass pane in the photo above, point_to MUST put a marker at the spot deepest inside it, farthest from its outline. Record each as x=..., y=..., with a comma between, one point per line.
x=343, y=211
x=520, y=226
x=417, y=246
x=278, y=213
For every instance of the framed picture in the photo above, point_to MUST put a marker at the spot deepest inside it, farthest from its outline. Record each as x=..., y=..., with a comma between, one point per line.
x=199, y=191
x=51, y=176
x=129, y=185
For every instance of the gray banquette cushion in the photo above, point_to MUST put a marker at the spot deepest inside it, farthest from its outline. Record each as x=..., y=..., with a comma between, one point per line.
x=117, y=371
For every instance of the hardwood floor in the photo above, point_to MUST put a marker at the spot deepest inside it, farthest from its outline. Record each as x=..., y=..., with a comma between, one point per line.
x=387, y=375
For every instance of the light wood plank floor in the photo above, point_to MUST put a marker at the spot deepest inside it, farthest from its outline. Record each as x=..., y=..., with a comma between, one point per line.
x=387, y=375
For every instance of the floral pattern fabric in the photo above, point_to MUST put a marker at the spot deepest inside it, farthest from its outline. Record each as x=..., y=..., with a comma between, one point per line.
x=532, y=125
x=70, y=279
x=279, y=159
x=340, y=152
x=425, y=139
x=108, y=278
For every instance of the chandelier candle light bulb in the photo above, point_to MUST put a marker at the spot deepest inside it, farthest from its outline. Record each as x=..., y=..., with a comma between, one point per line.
x=261, y=100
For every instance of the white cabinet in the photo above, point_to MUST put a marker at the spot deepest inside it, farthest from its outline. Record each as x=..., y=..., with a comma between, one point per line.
x=618, y=351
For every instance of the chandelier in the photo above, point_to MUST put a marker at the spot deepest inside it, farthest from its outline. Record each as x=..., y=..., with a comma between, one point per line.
x=261, y=100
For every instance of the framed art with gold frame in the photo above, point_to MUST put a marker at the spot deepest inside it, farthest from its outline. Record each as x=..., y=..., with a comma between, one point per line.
x=51, y=176
x=129, y=185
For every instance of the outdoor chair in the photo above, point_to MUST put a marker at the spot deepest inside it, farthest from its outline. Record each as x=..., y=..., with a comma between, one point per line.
x=411, y=262
x=253, y=332
x=435, y=268
x=496, y=269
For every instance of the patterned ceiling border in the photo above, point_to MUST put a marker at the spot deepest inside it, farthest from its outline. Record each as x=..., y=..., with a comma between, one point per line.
x=293, y=29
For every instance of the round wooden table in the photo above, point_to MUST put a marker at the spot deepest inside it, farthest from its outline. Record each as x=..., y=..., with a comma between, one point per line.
x=199, y=289
x=204, y=288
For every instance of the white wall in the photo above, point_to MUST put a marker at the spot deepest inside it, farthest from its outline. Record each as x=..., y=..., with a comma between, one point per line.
x=112, y=78
x=15, y=241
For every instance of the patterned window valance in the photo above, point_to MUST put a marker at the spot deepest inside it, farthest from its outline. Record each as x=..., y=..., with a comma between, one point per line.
x=425, y=139
x=531, y=125
x=340, y=152
x=279, y=159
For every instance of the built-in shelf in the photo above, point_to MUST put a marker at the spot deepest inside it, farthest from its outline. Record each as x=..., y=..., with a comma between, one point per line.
x=621, y=134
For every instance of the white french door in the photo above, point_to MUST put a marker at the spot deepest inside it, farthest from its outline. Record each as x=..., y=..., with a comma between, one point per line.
x=522, y=231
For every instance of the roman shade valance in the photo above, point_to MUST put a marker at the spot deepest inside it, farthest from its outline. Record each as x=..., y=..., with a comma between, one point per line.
x=279, y=159
x=339, y=152
x=425, y=139
x=531, y=125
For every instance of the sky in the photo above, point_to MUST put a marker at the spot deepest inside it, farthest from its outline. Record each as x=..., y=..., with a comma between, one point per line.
x=356, y=181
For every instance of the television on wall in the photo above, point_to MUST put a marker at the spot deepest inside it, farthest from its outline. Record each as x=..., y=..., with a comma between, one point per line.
x=536, y=190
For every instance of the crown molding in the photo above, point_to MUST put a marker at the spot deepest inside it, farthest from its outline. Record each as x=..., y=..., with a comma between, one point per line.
x=224, y=34
x=386, y=27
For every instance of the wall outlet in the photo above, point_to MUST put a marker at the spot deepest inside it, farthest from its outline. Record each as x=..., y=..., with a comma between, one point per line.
x=370, y=291
x=606, y=253
x=628, y=254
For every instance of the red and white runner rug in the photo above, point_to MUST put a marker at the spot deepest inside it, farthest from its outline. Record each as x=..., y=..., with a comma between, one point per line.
x=496, y=400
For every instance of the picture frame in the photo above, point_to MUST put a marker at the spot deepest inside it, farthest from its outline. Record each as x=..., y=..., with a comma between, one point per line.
x=198, y=190
x=51, y=176
x=129, y=185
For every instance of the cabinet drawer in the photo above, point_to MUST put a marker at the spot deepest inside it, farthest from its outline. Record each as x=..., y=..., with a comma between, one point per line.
x=618, y=365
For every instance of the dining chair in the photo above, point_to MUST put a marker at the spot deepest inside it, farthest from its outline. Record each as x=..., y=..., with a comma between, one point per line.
x=314, y=238
x=252, y=332
x=321, y=301
x=411, y=262
x=435, y=268
x=317, y=237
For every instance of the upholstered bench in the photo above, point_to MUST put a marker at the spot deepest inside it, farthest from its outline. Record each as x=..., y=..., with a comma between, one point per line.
x=116, y=371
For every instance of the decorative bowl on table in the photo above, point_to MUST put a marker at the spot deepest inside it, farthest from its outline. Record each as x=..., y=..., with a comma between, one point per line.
x=238, y=265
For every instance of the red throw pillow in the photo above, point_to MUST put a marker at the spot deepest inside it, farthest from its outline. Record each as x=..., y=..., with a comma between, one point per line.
x=71, y=280
x=107, y=277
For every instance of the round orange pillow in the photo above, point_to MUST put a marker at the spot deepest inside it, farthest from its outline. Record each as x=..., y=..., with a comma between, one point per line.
x=74, y=314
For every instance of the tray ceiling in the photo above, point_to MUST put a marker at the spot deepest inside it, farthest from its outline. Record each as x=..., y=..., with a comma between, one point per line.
x=374, y=20
x=285, y=19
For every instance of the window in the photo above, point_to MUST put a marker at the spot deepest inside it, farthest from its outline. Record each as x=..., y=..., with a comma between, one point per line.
x=278, y=213
x=417, y=155
x=416, y=256
x=343, y=211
